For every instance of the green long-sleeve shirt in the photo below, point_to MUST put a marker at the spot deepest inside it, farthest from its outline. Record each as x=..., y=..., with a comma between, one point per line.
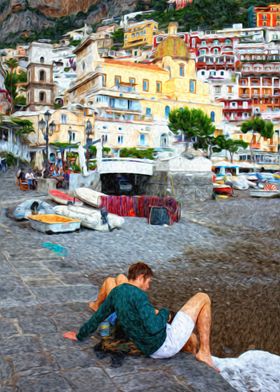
x=136, y=316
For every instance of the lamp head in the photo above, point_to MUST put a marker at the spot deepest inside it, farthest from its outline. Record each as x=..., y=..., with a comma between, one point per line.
x=47, y=115
x=51, y=128
x=42, y=124
x=88, y=127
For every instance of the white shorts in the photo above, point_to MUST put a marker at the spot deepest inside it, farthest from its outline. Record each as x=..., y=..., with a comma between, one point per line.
x=177, y=335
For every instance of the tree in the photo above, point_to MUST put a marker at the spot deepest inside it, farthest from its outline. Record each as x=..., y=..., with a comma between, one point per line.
x=257, y=126
x=11, y=80
x=230, y=145
x=194, y=123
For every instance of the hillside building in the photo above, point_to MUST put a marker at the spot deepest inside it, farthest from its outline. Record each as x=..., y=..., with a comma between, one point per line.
x=132, y=101
x=140, y=34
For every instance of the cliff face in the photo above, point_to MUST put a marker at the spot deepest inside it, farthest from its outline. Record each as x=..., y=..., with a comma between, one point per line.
x=25, y=17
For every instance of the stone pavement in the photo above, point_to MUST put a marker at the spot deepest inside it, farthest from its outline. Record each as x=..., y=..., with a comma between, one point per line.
x=43, y=295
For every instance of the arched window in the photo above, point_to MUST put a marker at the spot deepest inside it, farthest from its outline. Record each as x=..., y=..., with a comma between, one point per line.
x=167, y=111
x=42, y=60
x=182, y=70
x=42, y=96
x=212, y=115
x=42, y=76
x=164, y=140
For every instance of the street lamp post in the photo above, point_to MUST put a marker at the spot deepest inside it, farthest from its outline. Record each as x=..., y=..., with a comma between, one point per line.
x=47, y=130
x=88, y=130
x=278, y=144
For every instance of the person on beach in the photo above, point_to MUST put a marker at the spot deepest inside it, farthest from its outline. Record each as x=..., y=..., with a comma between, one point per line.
x=146, y=326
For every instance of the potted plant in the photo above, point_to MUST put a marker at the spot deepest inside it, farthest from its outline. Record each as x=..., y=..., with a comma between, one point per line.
x=76, y=168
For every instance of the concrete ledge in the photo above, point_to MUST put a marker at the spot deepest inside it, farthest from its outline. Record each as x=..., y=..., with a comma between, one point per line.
x=77, y=180
x=46, y=184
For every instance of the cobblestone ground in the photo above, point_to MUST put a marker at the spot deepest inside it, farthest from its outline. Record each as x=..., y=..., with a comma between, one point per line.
x=42, y=295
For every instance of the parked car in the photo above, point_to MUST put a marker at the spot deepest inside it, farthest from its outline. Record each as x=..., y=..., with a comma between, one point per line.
x=124, y=186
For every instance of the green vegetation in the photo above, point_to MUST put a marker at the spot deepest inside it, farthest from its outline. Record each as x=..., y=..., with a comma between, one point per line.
x=25, y=127
x=64, y=146
x=230, y=145
x=75, y=42
x=259, y=127
x=118, y=39
x=135, y=153
x=76, y=168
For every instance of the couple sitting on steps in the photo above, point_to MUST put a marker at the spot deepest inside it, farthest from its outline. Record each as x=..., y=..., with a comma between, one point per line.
x=149, y=328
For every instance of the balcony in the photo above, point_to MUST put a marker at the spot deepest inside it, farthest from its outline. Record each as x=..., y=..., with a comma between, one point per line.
x=244, y=95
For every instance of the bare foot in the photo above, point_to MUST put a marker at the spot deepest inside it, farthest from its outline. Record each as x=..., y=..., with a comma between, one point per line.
x=93, y=306
x=206, y=358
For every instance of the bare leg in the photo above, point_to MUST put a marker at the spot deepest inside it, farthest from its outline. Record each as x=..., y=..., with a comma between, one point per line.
x=192, y=344
x=108, y=285
x=199, y=309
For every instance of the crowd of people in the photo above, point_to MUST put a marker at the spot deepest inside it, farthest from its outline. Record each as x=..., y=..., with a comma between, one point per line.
x=59, y=173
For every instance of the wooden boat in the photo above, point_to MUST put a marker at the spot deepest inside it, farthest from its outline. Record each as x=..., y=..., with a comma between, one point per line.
x=24, y=209
x=264, y=193
x=90, y=218
x=89, y=196
x=63, y=198
x=222, y=189
x=53, y=223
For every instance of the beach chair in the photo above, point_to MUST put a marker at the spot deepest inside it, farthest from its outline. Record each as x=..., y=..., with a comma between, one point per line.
x=23, y=185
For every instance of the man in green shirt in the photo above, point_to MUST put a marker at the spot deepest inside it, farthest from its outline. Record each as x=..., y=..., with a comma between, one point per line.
x=148, y=327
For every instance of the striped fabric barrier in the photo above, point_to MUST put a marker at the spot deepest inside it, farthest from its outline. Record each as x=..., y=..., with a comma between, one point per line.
x=140, y=205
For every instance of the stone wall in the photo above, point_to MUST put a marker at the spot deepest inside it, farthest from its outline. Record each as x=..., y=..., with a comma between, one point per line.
x=184, y=186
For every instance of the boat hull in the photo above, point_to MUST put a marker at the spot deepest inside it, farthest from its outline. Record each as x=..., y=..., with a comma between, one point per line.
x=53, y=223
x=263, y=193
x=63, y=198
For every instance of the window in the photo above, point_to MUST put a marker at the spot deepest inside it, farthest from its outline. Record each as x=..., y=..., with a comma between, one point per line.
x=120, y=139
x=42, y=75
x=158, y=87
x=228, y=41
x=167, y=111
x=117, y=80
x=230, y=89
x=264, y=23
x=202, y=73
x=182, y=70
x=148, y=112
x=72, y=136
x=202, y=51
x=216, y=42
x=63, y=119
x=212, y=73
x=142, y=139
x=203, y=43
x=192, y=86
x=42, y=60
x=212, y=116
x=104, y=138
x=132, y=81
x=222, y=73
x=83, y=65
x=42, y=96
x=145, y=85
x=104, y=80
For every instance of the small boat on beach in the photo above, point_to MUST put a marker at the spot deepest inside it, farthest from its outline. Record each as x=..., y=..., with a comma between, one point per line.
x=222, y=189
x=91, y=218
x=53, y=223
x=89, y=196
x=63, y=198
x=36, y=206
x=269, y=190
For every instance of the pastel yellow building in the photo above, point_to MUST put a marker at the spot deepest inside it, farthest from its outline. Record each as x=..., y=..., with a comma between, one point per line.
x=132, y=101
x=70, y=126
x=140, y=34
